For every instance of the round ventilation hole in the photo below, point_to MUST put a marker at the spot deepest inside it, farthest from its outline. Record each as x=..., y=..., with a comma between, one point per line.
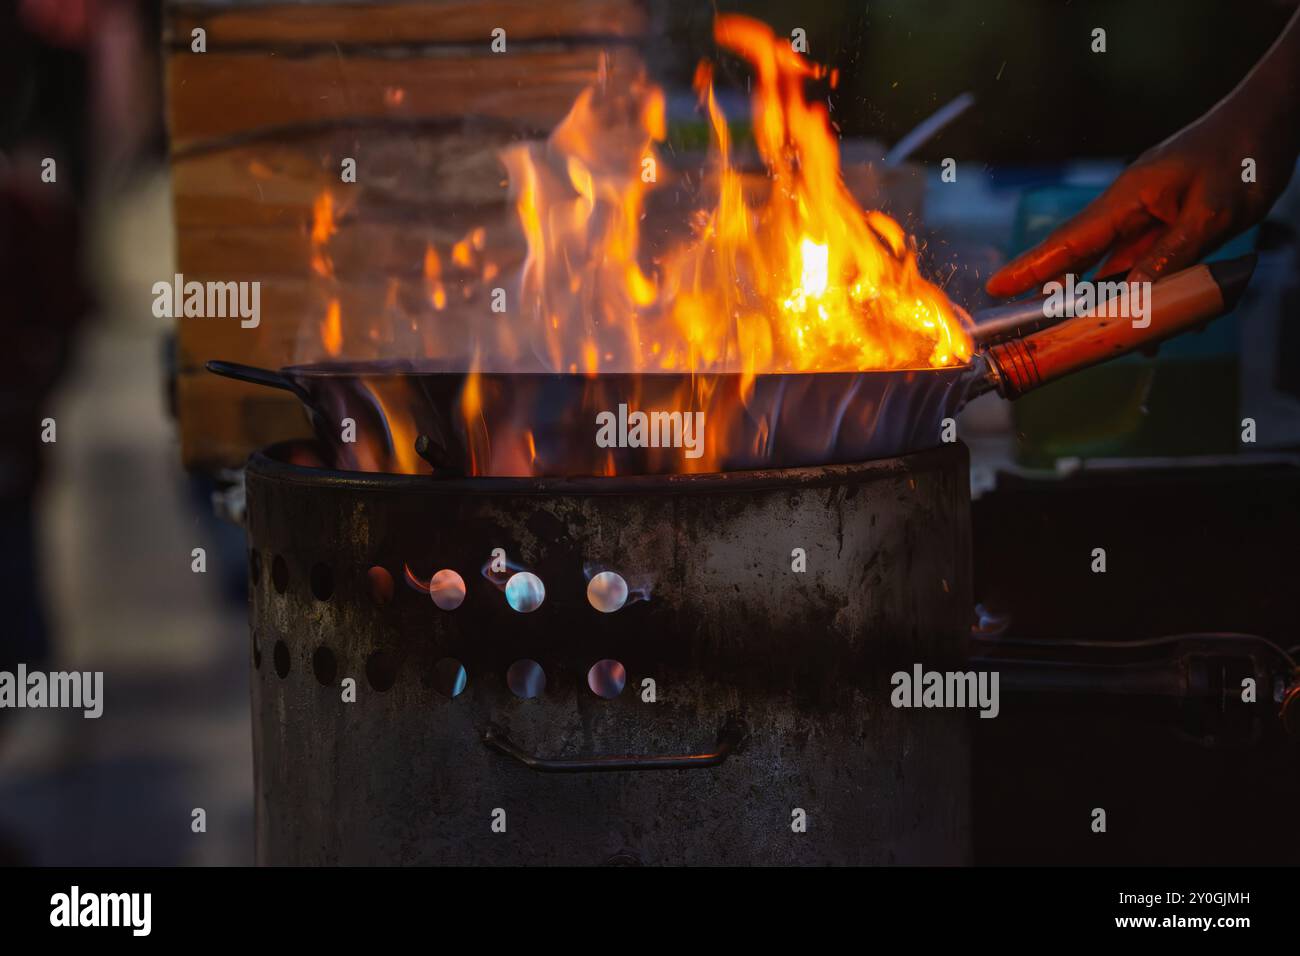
x=381, y=585
x=279, y=574
x=607, y=592
x=526, y=679
x=324, y=666
x=449, y=677
x=525, y=592
x=447, y=588
x=607, y=679
x=381, y=670
x=280, y=654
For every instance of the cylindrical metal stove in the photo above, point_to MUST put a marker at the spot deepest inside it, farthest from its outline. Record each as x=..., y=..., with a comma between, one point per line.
x=765, y=614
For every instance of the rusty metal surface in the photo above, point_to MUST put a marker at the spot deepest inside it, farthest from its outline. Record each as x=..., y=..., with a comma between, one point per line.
x=402, y=774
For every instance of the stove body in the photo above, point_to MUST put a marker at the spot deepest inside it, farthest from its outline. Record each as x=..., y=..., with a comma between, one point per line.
x=731, y=635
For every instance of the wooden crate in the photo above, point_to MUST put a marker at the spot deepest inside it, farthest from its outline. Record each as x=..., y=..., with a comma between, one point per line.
x=260, y=124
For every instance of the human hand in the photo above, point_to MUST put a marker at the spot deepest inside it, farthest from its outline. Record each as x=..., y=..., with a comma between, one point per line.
x=1177, y=202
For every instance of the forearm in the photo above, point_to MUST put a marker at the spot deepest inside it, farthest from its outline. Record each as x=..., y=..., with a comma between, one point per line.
x=1269, y=96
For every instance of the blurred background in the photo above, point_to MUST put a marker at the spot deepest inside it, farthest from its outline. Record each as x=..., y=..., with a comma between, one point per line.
x=98, y=527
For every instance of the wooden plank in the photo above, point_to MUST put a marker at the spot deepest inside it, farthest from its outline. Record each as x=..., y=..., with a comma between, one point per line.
x=275, y=183
x=454, y=21
x=377, y=319
x=284, y=94
x=230, y=419
x=358, y=251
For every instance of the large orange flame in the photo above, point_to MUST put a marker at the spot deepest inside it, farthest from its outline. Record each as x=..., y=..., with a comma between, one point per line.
x=775, y=274
x=801, y=280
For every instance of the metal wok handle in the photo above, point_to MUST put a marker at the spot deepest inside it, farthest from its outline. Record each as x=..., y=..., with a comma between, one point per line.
x=1177, y=303
x=257, y=376
x=733, y=733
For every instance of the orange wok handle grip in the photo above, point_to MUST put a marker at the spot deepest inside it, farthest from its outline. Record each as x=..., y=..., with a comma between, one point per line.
x=1176, y=304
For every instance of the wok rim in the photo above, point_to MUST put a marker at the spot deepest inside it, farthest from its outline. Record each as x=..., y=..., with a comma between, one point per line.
x=936, y=458
x=410, y=368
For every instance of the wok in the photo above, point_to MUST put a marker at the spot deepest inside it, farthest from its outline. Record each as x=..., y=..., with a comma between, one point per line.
x=540, y=423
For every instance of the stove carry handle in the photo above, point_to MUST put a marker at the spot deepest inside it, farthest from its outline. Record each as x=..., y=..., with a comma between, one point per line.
x=730, y=738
